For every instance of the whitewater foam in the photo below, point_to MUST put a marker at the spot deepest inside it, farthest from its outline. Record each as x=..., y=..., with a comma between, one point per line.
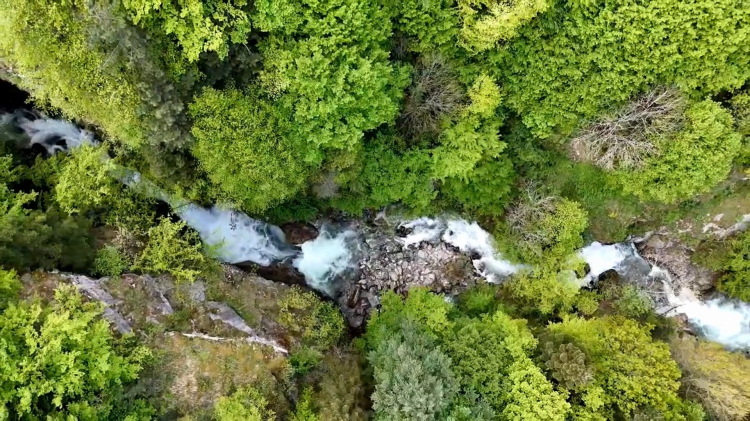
x=468, y=237
x=719, y=319
x=49, y=132
x=325, y=258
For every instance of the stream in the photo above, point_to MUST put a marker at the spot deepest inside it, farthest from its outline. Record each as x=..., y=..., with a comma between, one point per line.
x=353, y=261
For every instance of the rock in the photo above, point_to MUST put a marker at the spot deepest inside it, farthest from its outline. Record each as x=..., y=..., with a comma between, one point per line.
x=656, y=242
x=354, y=297
x=282, y=272
x=197, y=292
x=92, y=288
x=299, y=232
x=675, y=257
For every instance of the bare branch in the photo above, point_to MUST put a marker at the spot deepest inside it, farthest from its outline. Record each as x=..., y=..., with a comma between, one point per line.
x=626, y=140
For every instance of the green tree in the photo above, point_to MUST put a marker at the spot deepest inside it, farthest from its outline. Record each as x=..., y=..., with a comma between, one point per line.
x=85, y=182
x=329, y=71
x=543, y=229
x=242, y=144
x=690, y=162
x=491, y=357
x=420, y=307
x=174, y=250
x=730, y=257
x=83, y=59
x=581, y=57
x=485, y=23
x=246, y=404
x=473, y=135
x=61, y=361
x=9, y=288
x=741, y=112
x=32, y=238
x=319, y=323
x=109, y=262
x=424, y=27
x=304, y=409
x=341, y=393
x=413, y=379
x=631, y=370
x=197, y=25
x=547, y=290
x=719, y=379
x=389, y=177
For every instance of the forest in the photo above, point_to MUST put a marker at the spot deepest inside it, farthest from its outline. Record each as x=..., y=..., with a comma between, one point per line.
x=554, y=125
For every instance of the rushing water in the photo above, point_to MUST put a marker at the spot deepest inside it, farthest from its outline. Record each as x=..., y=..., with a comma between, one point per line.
x=468, y=237
x=236, y=238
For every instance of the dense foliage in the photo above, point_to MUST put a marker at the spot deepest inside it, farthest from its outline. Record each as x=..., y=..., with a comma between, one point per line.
x=731, y=259
x=61, y=359
x=552, y=123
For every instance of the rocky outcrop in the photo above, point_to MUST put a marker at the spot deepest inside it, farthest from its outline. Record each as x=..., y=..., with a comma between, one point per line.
x=299, y=232
x=92, y=288
x=669, y=253
x=222, y=312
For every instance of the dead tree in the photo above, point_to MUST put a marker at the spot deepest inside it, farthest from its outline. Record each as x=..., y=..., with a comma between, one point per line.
x=626, y=139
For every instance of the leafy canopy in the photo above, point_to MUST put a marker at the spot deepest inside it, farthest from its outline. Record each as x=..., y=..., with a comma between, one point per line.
x=690, y=162
x=581, y=57
x=61, y=360
x=242, y=143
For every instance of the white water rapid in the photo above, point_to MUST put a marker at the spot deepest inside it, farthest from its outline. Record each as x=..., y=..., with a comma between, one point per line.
x=327, y=257
x=48, y=132
x=719, y=319
x=468, y=237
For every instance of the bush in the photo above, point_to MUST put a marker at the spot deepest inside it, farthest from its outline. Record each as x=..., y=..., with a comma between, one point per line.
x=246, y=404
x=319, y=323
x=71, y=364
x=109, y=262
x=174, y=250
x=10, y=286
x=692, y=161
